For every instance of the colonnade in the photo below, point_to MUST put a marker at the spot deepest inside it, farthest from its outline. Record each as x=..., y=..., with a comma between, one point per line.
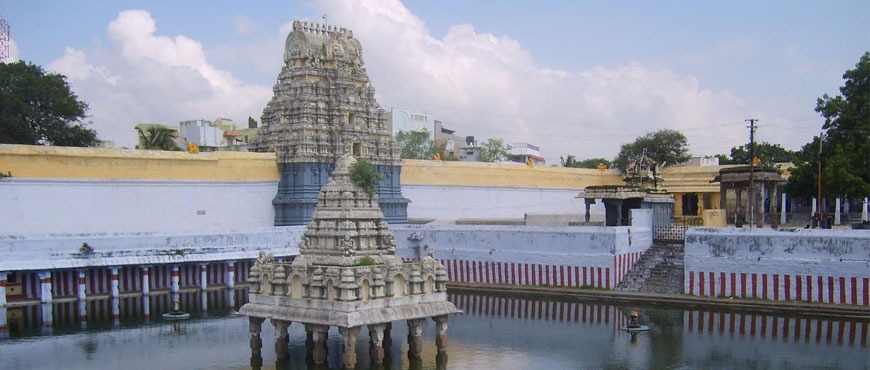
x=380, y=341
x=29, y=286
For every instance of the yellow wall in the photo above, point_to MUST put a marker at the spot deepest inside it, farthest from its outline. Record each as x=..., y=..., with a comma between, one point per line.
x=29, y=161
x=417, y=172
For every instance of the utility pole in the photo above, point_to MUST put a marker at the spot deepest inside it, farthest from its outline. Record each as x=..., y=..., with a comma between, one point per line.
x=819, y=199
x=752, y=128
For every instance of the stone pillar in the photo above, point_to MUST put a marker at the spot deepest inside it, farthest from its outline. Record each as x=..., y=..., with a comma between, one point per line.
x=759, y=205
x=388, y=341
x=203, y=276
x=783, y=219
x=231, y=274
x=45, y=285
x=588, y=204
x=349, y=336
x=415, y=342
x=256, y=324
x=115, y=288
x=146, y=281
x=175, y=279
x=3, y=275
x=441, y=361
x=774, y=222
x=82, y=281
x=318, y=342
x=376, y=336
x=441, y=333
x=281, y=339
x=739, y=216
x=814, y=210
x=837, y=211
x=864, y=209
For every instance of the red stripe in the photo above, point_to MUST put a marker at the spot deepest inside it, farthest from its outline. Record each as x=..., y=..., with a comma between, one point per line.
x=607, y=277
x=576, y=276
x=821, y=284
x=787, y=287
x=584, y=277
x=701, y=283
x=712, y=284
x=513, y=273
x=561, y=275
x=764, y=286
x=743, y=284
x=754, y=285
x=830, y=289
x=866, y=299
x=842, y=290
x=722, y=284
x=854, y=290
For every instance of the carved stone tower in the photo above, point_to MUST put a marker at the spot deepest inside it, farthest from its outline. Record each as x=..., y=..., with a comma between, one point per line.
x=348, y=275
x=324, y=107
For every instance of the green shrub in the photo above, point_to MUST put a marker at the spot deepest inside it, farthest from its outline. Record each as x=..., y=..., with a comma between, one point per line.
x=365, y=175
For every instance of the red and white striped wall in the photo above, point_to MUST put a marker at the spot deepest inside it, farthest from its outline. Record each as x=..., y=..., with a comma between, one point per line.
x=797, y=330
x=853, y=290
x=530, y=274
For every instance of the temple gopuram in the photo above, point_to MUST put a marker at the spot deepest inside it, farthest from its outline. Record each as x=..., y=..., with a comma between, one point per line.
x=348, y=275
x=323, y=107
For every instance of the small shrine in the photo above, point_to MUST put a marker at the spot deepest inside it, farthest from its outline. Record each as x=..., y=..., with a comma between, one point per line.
x=734, y=181
x=347, y=276
x=642, y=190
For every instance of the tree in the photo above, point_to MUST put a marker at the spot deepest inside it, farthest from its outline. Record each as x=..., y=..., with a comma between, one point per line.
x=39, y=108
x=365, y=175
x=769, y=154
x=416, y=144
x=665, y=147
x=157, y=138
x=593, y=163
x=845, y=148
x=493, y=150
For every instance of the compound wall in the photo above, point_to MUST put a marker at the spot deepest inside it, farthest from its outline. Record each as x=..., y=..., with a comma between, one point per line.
x=831, y=266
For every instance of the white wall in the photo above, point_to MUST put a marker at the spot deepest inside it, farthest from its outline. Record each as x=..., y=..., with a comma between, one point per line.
x=813, y=265
x=33, y=206
x=455, y=202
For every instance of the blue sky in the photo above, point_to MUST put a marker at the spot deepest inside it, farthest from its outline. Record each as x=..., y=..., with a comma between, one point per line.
x=573, y=77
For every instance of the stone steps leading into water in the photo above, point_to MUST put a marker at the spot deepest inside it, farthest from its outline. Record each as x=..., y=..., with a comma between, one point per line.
x=659, y=270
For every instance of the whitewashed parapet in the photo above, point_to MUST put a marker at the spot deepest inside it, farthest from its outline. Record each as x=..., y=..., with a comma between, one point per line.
x=58, y=251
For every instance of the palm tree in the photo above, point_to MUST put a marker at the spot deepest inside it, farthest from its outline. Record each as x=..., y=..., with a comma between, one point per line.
x=157, y=138
x=569, y=161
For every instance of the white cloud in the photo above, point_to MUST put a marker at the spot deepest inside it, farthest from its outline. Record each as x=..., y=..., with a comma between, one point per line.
x=489, y=86
x=142, y=76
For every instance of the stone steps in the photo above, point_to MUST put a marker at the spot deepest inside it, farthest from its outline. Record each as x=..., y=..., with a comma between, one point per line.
x=659, y=270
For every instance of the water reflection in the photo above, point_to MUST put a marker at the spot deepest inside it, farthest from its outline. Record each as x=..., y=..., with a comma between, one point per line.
x=494, y=332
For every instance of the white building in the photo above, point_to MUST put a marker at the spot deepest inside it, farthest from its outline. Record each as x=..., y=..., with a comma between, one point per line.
x=204, y=133
x=523, y=152
x=411, y=120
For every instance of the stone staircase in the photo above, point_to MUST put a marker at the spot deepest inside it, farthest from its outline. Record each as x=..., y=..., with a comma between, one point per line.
x=659, y=270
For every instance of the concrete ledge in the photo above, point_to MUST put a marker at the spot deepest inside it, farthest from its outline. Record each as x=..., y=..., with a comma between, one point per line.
x=685, y=302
